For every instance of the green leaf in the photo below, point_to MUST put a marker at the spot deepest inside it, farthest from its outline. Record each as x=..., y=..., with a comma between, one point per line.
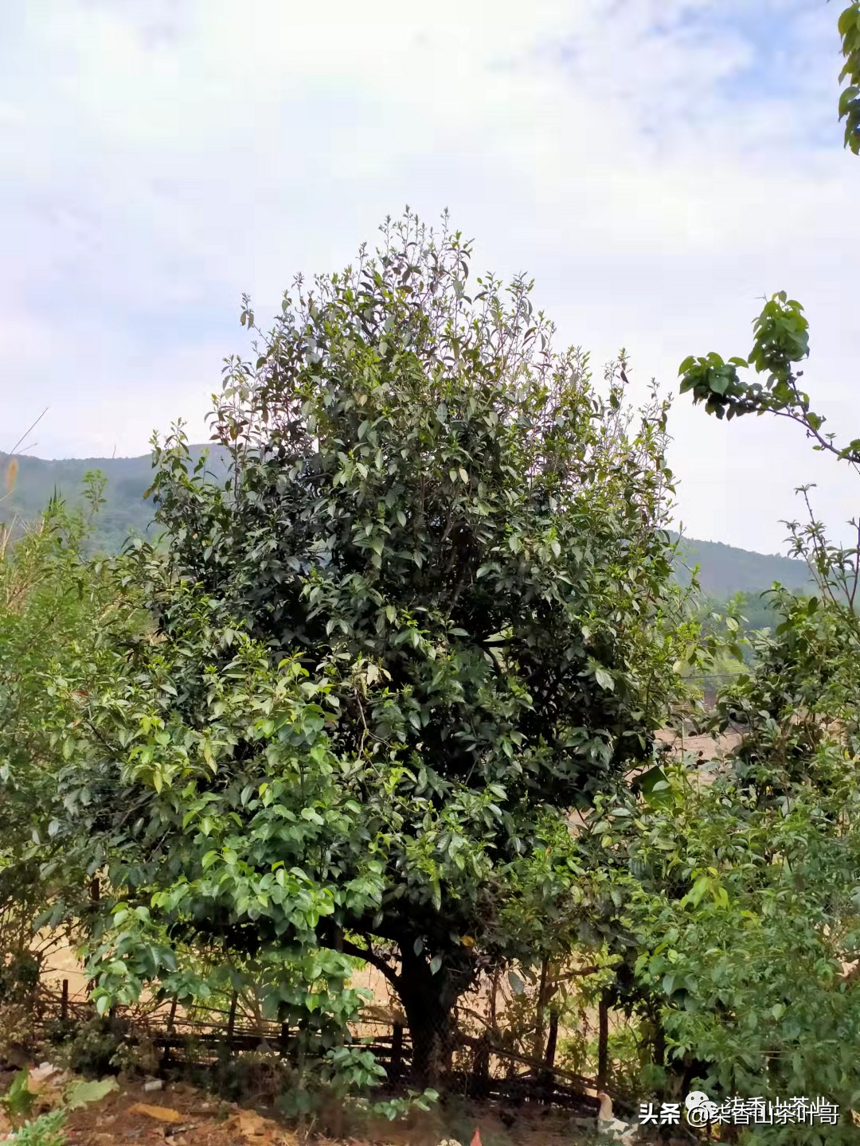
x=517, y=985
x=697, y=891
x=19, y=1099
x=83, y=1093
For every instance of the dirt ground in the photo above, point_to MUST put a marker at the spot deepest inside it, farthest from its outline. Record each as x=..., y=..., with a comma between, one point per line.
x=709, y=750
x=182, y=1115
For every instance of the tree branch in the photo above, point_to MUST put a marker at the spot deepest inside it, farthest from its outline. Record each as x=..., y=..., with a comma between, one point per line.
x=370, y=956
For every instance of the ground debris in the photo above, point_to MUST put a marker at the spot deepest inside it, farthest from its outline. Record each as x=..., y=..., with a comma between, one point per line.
x=252, y=1127
x=181, y=1114
x=160, y=1113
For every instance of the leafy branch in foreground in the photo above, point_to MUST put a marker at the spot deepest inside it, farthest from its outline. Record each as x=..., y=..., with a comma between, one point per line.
x=849, y=100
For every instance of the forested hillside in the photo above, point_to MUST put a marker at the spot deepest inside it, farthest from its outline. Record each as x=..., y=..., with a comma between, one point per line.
x=125, y=512
x=723, y=569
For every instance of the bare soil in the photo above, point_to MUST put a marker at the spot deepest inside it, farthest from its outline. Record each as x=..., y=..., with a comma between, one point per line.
x=183, y=1115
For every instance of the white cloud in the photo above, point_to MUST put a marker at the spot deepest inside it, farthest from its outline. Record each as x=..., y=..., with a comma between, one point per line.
x=162, y=158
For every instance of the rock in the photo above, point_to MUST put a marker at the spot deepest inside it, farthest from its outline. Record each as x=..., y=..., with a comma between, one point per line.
x=41, y=1074
x=153, y=1084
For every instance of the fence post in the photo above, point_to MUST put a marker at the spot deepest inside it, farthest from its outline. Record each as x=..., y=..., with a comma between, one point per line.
x=95, y=892
x=337, y=1105
x=396, y=1065
x=166, y=1056
x=602, y=1043
x=231, y=1019
x=481, y=1066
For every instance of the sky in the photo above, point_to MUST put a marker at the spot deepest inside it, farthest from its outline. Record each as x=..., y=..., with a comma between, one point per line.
x=658, y=166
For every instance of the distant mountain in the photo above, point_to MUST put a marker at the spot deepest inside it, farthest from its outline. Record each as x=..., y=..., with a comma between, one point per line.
x=125, y=512
x=723, y=569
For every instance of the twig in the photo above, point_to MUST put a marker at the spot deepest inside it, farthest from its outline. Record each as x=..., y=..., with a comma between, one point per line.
x=26, y=432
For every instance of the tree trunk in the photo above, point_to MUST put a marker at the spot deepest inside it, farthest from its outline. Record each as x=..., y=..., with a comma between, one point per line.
x=428, y=1002
x=430, y=1031
x=659, y=1043
x=552, y=1039
x=537, y=1051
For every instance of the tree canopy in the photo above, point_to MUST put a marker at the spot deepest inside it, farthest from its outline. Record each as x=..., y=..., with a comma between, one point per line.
x=430, y=611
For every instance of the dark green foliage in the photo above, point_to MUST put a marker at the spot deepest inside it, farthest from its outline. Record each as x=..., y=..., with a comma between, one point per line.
x=421, y=483
x=92, y=1047
x=723, y=570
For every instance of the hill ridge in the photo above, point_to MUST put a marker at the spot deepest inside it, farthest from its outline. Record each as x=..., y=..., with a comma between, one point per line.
x=724, y=569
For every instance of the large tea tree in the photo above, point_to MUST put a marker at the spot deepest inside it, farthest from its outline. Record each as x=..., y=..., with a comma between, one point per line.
x=428, y=613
